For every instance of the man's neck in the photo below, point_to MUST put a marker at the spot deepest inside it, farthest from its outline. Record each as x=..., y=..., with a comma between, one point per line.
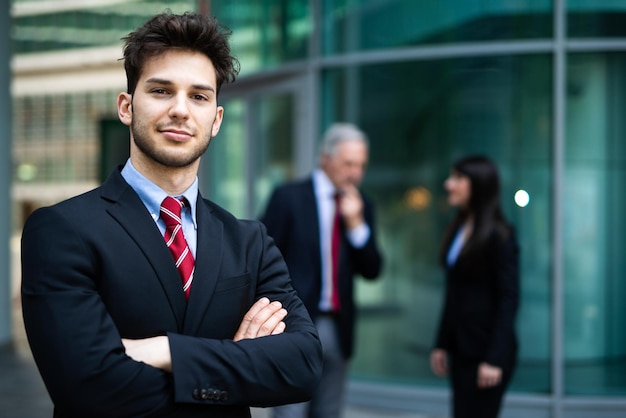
x=172, y=180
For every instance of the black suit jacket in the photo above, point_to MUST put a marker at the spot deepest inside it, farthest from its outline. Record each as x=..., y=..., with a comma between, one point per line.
x=478, y=320
x=96, y=269
x=292, y=220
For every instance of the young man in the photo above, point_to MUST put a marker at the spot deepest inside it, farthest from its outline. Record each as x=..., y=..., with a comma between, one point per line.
x=134, y=309
x=325, y=229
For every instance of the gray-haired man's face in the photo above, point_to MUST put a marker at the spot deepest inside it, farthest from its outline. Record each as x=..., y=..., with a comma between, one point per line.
x=346, y=167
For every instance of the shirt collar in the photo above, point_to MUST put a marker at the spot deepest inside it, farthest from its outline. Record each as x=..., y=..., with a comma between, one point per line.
x=322, y=184
x=152, y=195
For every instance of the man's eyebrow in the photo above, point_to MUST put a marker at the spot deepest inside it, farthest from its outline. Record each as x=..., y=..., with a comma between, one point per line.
x=165, y=82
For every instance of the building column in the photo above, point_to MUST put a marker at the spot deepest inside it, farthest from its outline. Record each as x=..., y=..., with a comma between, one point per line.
x=6, y=176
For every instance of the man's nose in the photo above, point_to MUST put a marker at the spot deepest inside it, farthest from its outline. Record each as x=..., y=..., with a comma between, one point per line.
x=180, y=107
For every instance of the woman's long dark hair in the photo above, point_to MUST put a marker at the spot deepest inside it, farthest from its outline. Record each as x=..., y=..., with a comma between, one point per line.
x=484, y=206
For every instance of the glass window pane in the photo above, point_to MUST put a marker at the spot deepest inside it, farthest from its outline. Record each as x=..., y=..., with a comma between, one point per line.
x=266, y=33
x=60, y=26
x=273, y=143
x=349, y=25
x=420, y=117
x=596, y=18
x=223, y=177
x=58, y=136
x=263, y=154
x=594, y=205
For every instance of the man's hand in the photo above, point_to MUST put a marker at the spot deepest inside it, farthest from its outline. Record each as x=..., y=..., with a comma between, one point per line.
x=263, y=318
x=439, y=362
x=352, y=207
x=488, y=375
x=154, y=351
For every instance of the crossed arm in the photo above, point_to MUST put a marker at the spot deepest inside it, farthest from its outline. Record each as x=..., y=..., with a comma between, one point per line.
x=262, y=319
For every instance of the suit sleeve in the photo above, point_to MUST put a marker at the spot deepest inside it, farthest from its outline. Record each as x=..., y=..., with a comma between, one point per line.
x=506, y=273
x=443, y=338
x=74, y=341
x=264, y=371
x=78, y=348
x=276, y=218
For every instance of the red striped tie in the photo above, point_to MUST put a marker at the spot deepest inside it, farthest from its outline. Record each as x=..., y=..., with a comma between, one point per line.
x=334, y=249
x=175, y=240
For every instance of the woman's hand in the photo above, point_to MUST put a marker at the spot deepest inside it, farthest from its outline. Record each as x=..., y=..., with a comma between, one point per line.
x=488, y=375
x=439, y=362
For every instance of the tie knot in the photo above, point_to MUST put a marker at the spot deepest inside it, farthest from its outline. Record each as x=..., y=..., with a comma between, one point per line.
x=170, y=210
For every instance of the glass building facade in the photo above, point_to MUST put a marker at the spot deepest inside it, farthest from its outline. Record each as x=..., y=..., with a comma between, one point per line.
x=537, y=85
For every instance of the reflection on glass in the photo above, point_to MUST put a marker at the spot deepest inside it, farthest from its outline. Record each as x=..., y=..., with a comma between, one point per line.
x=596, y=18
x=266, y=33
x=594, y=204
x=273, y=138
x=243, y=166
x=522, y=198
x=371, y=24
x=223, y=177
x=420, y=117
x=44, y=26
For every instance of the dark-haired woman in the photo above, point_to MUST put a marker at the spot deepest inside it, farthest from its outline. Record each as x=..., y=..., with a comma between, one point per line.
x=476, y=343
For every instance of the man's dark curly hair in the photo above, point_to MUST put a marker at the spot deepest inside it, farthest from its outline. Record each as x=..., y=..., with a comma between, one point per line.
x=189, y=31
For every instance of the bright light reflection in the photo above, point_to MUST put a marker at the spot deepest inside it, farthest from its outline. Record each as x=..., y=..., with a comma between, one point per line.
x=522, y=198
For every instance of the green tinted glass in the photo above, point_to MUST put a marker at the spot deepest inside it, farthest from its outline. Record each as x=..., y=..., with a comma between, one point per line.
x=420, y=117
x=596, y=18
x=594, y=202
x=352, y=25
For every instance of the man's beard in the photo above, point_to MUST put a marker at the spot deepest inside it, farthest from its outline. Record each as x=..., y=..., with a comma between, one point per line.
x=152, y=150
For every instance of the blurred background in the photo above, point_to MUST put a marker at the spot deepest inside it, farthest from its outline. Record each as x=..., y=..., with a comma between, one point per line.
x=537, y=85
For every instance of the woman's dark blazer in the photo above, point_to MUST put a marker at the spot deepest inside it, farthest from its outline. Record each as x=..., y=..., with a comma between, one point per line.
x=480, y=305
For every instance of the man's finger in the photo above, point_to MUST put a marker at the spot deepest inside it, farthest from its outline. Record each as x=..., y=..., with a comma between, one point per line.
x=280, y=328
x=261, y=319
x=249, y=317
x=264, y=319
x=270, y=324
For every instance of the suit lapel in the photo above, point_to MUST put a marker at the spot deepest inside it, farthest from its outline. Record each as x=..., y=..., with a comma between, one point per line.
x=310, y=213
x=207, y=270
x=128, y=209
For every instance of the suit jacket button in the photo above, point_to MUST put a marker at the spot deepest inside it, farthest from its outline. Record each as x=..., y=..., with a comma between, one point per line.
x=196, y=394
x=213, y=394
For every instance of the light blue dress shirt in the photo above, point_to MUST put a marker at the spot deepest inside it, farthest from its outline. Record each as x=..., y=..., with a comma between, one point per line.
x=152, y=195
x=457, y=245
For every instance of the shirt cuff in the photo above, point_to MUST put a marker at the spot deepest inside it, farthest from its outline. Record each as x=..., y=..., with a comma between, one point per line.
x=358, y=236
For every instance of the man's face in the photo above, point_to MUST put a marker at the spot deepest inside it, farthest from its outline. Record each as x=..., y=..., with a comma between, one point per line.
x=346, y=167
x=173, y=113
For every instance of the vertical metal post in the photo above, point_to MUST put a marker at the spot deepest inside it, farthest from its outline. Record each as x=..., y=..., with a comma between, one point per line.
x=307, y=125
x=559, y=106
x=6, y=335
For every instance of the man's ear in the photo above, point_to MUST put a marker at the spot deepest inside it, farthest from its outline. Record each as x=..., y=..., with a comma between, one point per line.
x=125, y=108
x=217, y=122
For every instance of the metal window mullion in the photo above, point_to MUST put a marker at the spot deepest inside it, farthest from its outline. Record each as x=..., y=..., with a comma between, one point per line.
x=559, y=104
